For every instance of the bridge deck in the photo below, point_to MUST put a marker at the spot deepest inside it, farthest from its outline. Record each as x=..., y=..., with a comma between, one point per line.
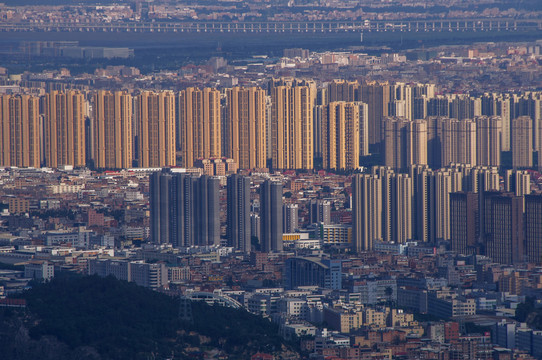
x=451, y=25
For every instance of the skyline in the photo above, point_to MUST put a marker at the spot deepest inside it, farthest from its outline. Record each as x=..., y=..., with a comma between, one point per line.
x=264, y=180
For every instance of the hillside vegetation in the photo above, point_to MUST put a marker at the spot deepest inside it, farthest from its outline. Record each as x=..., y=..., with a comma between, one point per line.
x=104, y=318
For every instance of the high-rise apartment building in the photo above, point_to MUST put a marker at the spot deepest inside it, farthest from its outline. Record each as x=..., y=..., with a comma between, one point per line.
x=199, y=130
x=395, y=133
x=396, y=205
x=318, y=118
x=401, y=205
x=322, y=96
x=419, y=108
x=19, y=131
x=530, y=104
x=504, y=109
x=366, y=211
x=112, y=130
x=504, y=237
x=292, y=127
x=438, y=107
x=502, y=106
x=434, y=146
x=268, y=127
x=462, y=106
x=540, y=149
x=154, y=115
x=458, y=142
x=207, y=198
x=431, y=190
x=405, y=143
x=533, y=228
x=400, y=101
x=485, y=181
x=417, y=143
x=517, y=182
x=290, y=220
x=386, y=174
x=377, y=97
x=422, y=213
x=482, y=179
x=463, y=222
x=162, y=216
x=410, y=100
x=522, y=142
x=340, y=135
x=239, y=218
x=245, y=134
x=271, y=216
x=342, y=90
x=396, y=197
x=255, y=226
x=444, y=182
x=64, y=128
x=320, y=212
x=185, y=210
x=363, y=109
x=488, y=140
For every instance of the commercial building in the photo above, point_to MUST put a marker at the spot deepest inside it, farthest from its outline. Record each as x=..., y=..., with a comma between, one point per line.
x=309, y=271
x=154, y=276
x=447, y=307
x=338, y=235
x=39, y=269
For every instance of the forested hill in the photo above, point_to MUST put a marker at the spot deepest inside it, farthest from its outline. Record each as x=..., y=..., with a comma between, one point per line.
x=97, y=318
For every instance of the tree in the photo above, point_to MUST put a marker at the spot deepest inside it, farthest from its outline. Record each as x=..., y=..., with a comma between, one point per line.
x=524, y=309
x=255, y=242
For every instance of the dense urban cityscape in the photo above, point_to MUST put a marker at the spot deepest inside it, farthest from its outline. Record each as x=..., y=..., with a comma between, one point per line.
x=300, y=180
